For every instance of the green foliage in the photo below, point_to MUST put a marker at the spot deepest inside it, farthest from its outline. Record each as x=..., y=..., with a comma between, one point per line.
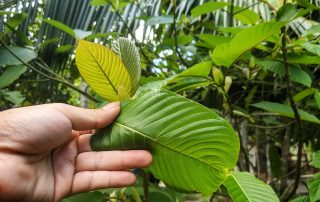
x=301, y=199
x=25, y=54
x=315, y=160
x=60, y=26
x=11, y=74
x=314, y=188
x=226, y=54
x=182, y=136
x=243, y=186
x=285, y=110
x=207, y=8
x=246, y=16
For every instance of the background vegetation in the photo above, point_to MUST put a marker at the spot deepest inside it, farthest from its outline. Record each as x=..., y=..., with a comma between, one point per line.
x=255, y=62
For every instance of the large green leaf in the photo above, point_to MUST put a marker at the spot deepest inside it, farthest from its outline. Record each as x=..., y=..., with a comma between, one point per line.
x=244, y=187
x=207, y=8
x=103, y=70
x=312, y=48
x=315, y=29
x=314, y=188
x=285, y=110
x=301, y=199
x=227, y=53
x=11, y=74
x=25, y=54
x=303, y=59
x=129, y=54
x=213, y=40
x=192, y=147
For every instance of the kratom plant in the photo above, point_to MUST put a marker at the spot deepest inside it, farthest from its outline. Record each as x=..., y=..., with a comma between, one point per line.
x=193, y=148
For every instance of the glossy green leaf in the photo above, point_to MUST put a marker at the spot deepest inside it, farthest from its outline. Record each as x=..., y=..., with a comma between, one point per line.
x=61, y=26
x=130, y=57
x=303, y=94
x=244, y=187
x=182, y=39
x=317, y=98
x=49, y=41
x=213, y=40
x=301, y=199
x=315, y=29
x=188, y=83
x=189, y=143
x=25, y=54
x=227, y=53
x=207, y=8
x=303, y=59
x=159, y=20
x=63, y=49
x=246, y=16
x=200, y=69
x=11, y=74
x=103, y=70
x=314, y=188
x=315, y=162
x=285, y=110
x=14, y=21
x=312, y=48
x=13, y=96
x=287, y=13
x=296, y=73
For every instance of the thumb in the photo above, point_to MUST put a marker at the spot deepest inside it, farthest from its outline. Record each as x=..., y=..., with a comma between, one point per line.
x=87, y=119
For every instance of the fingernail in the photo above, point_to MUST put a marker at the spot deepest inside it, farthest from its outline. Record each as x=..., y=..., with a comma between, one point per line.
x=111, y=105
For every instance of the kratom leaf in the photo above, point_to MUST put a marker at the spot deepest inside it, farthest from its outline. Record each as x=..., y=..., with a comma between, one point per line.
x=25, y=54
x=285, y=110
x=314, y=188
x=315, y=29
x=312, y=48
x=246, y=16
x=11, y=74
x=207, y=8
x=301, y=199
x=130, y=57
x=103, y=70
x=303, y=94
x=59, y=25
x=244, y=187
x=315, y=160
x=13, y=96
x=63, y=49
x=303, y=59
x=14, y=21
x=213, y=40
x=200, y=69
x=296, y=73
x=287, y=13
x=189, y=142
x=227, y=53
x=181, y=84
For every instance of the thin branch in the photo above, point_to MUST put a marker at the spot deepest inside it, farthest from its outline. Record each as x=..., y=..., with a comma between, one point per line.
x=295, y=111
x=145, y=187
x=271, y=127
x=60, y=80
x=175, y=34
x=246, y=8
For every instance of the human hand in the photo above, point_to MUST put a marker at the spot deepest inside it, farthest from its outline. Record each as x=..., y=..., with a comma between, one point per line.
x=45, y=153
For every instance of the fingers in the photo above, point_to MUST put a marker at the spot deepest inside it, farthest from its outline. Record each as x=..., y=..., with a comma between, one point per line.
x=92, y=180
x=84, y=143
x=112, y=160
x=87, y=119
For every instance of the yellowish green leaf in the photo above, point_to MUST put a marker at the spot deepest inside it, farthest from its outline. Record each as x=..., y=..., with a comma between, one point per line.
x=103, y=70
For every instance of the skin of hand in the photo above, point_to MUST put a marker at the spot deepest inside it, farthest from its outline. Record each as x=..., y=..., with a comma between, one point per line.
x=45, y=153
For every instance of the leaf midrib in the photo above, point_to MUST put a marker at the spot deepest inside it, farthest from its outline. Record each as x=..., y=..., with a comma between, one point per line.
x=148, y=137
x=113, y=87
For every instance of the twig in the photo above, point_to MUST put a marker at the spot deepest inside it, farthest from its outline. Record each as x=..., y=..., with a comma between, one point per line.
x=60, y=80
x=175, y=34
x=145, y=187
x=295, y=111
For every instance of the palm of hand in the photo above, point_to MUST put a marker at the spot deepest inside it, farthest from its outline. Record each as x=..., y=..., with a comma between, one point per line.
x=44, y=159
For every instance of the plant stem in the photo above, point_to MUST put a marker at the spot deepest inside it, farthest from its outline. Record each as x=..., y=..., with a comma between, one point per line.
x=145, y=187
x=231, y=14
x=60, y=80
x=295, y=111
x=175, y=34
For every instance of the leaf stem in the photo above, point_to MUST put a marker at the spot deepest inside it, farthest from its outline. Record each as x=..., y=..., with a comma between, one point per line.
x=145, y=187
x=295, y=111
